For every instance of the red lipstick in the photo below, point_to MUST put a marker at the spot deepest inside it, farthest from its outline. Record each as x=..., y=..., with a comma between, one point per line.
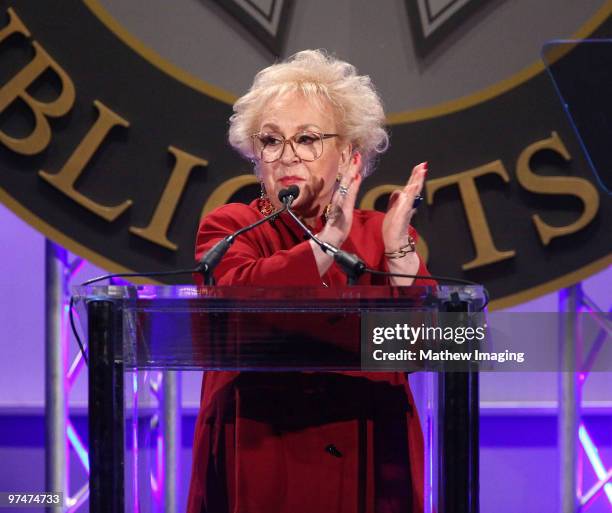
x=290, y=180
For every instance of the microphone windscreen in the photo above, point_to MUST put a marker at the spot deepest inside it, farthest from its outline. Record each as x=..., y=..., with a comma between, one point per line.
x=292, y=190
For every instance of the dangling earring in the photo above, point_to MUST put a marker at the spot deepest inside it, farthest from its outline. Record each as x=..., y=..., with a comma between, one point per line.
x=263, y=203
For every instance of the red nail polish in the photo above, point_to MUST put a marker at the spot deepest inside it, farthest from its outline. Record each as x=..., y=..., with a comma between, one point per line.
x=425, y=166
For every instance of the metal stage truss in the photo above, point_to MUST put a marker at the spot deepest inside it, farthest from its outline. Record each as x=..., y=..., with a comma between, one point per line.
x=575, y=444
x=62, y=441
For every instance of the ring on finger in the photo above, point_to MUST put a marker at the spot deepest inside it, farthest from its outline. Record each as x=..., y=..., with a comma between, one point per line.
x=343, y=190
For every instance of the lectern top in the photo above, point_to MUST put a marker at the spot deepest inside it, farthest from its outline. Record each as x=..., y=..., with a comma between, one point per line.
x=470, y=293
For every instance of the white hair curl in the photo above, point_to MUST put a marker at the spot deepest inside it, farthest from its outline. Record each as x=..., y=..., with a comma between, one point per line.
x=357, y=107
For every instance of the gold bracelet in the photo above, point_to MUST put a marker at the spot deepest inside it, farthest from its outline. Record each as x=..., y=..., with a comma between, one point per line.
x=404, y=250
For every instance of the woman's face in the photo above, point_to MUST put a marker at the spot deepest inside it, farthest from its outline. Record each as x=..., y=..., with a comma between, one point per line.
x=287, y=116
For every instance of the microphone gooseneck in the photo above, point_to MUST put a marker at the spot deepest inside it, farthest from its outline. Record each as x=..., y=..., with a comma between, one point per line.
x=350, y=264
x=213, y=256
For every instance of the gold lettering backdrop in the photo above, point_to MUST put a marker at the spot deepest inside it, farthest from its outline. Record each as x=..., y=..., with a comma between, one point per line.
x=117, y=159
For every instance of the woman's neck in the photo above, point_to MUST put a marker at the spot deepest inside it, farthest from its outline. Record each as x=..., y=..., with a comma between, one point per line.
x=311, y=216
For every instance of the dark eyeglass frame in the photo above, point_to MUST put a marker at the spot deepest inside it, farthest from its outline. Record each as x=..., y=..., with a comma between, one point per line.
x=290, y=140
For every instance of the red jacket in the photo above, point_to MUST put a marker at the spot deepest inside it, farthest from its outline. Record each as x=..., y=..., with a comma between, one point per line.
x=344, y=442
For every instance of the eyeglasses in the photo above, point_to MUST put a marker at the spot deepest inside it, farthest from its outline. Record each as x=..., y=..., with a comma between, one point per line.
x=307, y=146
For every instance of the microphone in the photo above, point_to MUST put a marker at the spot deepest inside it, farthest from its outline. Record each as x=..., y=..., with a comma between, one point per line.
x=351, y=264
x=290, y=194
x=213, y=256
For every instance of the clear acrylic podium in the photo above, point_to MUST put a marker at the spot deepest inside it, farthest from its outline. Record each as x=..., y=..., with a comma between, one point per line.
x=140, y=329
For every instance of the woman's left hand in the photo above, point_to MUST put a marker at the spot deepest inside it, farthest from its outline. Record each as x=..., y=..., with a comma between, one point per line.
x=397, y=219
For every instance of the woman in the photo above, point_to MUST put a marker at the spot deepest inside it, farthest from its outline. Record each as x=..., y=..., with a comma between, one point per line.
x=310, y=442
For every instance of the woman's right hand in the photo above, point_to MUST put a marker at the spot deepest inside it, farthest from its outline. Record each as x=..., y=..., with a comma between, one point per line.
x=340, y=214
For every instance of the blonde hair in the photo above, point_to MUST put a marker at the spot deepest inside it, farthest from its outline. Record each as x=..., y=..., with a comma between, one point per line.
x=358, y=109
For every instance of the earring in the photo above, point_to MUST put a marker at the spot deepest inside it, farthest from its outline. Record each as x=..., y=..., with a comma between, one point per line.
x=264, y=204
